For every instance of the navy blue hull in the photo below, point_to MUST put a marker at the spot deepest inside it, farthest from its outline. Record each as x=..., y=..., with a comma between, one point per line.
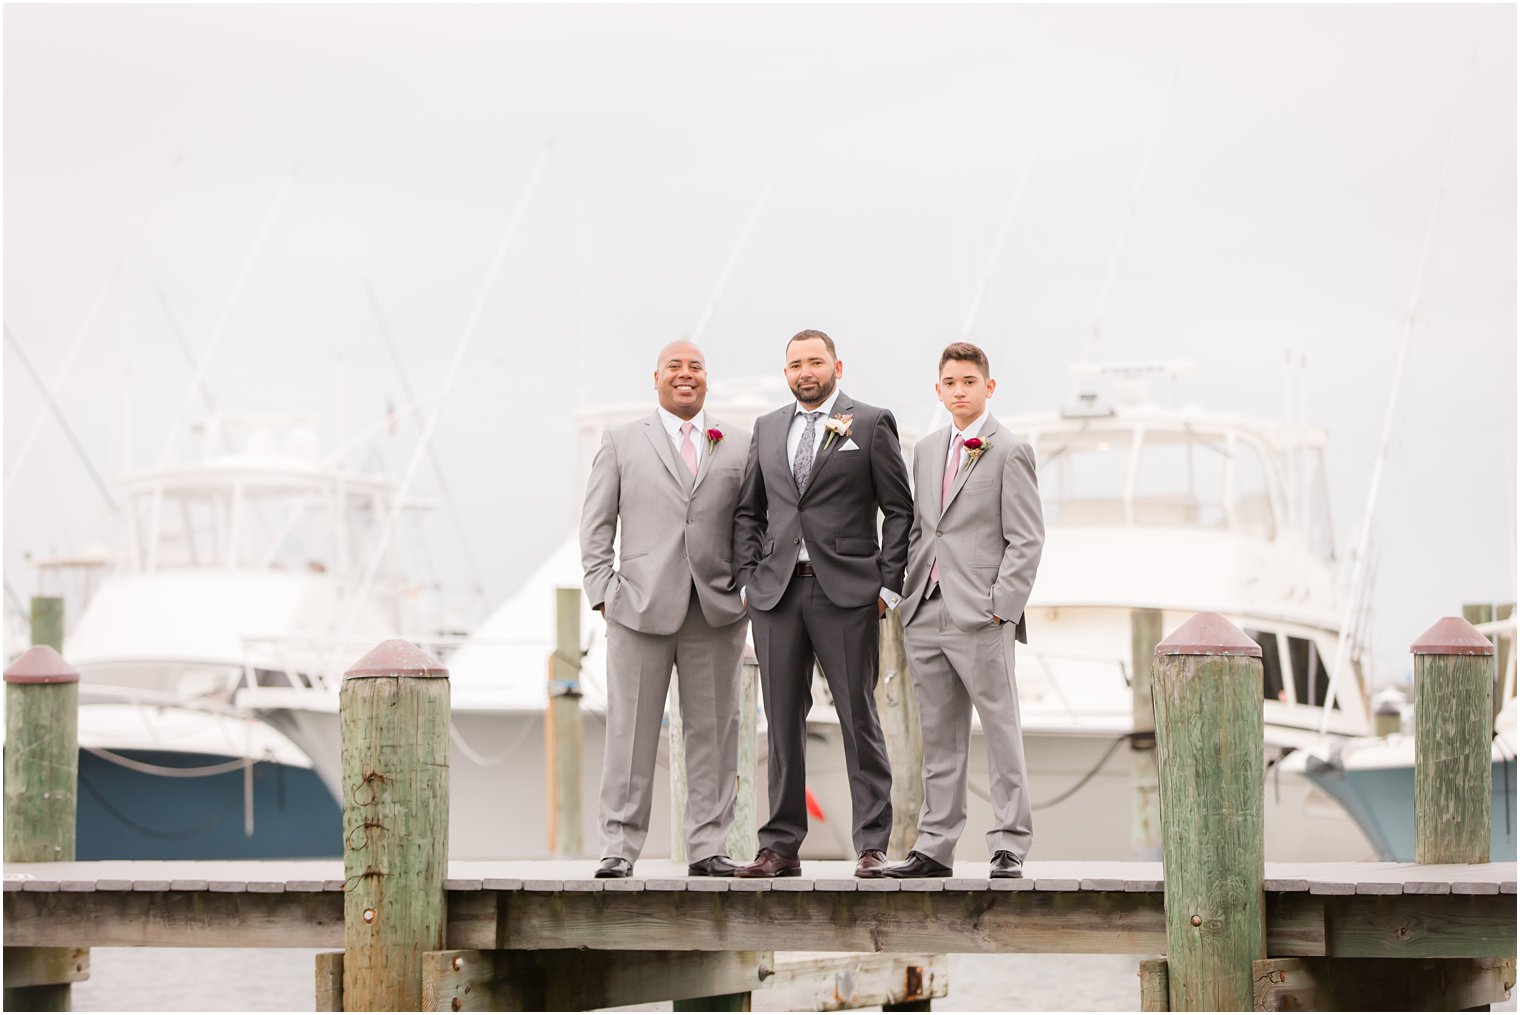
x=130, y=815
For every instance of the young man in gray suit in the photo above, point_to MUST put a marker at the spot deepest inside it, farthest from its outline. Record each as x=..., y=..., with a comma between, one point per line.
x=972, y=554
x=671, y=481
x=817, y=584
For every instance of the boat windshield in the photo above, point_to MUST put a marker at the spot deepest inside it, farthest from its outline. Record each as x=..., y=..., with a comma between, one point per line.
x=1155, y=476
x=319, y=527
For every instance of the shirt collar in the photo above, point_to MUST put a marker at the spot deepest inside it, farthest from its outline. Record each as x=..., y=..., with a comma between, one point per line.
x=673, y=422
x=827, y=408
x=970, y=431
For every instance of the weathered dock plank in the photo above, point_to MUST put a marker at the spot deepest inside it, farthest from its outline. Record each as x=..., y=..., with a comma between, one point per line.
x=1117, y=908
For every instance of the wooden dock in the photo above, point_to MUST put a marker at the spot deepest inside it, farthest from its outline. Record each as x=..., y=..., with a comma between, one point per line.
x=1384, y=910
x=413, y=931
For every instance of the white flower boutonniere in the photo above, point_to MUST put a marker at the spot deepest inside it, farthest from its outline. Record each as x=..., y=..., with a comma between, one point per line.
x=838, y=427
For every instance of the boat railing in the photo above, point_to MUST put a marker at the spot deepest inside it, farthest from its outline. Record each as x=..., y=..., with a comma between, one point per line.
x=320, y=662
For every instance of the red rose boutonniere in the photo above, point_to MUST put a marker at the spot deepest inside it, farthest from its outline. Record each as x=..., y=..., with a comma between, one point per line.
x=714, y=438
x=975, y=448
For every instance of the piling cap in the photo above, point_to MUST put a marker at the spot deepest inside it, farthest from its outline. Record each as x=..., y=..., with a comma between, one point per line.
x=1208, y=634
x=397, y=658
x=41, y=664
x=1452, y=636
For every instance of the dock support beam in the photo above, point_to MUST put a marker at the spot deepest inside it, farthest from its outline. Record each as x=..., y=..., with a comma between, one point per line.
x=1208, y=693
x=898, y=710
x=394, y=717
x=562, y=727
x=1453, y=735
x=1145, y=793
x=41, y=795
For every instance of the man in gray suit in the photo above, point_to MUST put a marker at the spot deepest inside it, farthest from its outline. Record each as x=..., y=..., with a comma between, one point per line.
x=975, y=545
x=671, y=480
x=817, y=584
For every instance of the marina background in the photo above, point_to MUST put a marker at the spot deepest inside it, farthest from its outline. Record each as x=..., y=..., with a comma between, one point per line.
x=1242, y=187
x=1246, y=188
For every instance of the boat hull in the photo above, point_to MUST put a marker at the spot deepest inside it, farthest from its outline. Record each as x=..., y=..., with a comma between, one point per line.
x=129, y=814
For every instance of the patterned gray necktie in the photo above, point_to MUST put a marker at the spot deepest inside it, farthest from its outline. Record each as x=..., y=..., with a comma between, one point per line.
x=802, y=464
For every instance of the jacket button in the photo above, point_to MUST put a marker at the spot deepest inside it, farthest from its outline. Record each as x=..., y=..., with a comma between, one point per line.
x=688, y=521
x=937, y=532
x=796, y=541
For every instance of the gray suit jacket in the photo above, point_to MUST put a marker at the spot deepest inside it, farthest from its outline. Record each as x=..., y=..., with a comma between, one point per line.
x=676, y=531
x=836, y=515
x=988, y=537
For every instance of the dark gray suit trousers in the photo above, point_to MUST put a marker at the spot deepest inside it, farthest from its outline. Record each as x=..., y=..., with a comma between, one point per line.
x=803, y=625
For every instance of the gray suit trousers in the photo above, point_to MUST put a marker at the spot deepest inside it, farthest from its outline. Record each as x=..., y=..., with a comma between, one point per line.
x=952, y=671
x=707, y=660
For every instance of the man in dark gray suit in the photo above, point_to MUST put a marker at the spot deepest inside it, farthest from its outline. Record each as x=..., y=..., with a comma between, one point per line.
x=817, y=584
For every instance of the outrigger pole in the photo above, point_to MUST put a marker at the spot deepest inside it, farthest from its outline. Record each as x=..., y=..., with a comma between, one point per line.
x=1359, y=558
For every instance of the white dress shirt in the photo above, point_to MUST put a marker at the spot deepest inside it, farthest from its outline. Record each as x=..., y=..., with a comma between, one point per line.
x=971, y=431
x=974, y=430
x=673, y=428
x=793, y=441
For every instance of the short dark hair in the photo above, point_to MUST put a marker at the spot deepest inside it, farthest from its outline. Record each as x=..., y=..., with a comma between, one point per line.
x=809, y=334
x=966, y=352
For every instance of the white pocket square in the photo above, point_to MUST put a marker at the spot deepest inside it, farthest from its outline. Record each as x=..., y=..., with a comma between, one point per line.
x=849, y=445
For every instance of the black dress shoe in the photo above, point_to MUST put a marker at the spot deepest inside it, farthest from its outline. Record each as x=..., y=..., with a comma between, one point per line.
x=770, y=864
x=870, y=863
x=1006, y=865
x=916, y=866
x=614, y=867
x=713, y=867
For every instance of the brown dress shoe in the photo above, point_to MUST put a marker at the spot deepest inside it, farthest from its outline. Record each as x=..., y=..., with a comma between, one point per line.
x=871, y=863
x=770, y=864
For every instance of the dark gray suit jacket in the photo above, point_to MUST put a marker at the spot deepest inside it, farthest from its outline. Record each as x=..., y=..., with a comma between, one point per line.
x=836, y=516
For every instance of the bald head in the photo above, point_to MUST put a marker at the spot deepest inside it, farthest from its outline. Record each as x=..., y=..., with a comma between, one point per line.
x=680, y=379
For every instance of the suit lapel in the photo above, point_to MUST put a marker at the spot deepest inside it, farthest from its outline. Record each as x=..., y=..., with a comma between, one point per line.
x=960, y=479
x=827, y=448
x=782, y=422
x=937, y=472
x=655, y=431
x=708, y=454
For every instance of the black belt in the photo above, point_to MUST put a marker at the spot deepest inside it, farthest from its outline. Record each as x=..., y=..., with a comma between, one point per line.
x=804, y=569
x=933, y=591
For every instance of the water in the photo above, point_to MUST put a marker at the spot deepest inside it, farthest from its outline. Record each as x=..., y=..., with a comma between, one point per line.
x=267, y=979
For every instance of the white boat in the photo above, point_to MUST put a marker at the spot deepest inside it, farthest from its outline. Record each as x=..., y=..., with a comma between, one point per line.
x=1146, y=508
x=244, y=568
x=1373, y=776
x=1181, y=511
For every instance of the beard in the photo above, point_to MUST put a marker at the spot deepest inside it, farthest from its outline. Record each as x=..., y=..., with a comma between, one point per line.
x=821, y=393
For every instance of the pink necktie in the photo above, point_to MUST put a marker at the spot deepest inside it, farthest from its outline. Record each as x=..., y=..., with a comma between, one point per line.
x=688, y=449
x=951, y=468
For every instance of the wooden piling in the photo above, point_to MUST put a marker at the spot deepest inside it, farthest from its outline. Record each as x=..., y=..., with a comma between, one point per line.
x=743, y=834
x=47, y=621
x=394, y=720
x=1208, y=693
x=675, y=746
x=898, y=711
x=1453, y=724
x=1145, y=790
x=562, y=727
x=41, y=790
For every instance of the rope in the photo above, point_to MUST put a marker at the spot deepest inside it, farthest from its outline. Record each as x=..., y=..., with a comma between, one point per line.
x=973, y=787
x=173, y=773
x=481, y=760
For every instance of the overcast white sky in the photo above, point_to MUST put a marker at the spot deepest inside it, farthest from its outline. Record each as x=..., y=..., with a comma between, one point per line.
x=1294, y=170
